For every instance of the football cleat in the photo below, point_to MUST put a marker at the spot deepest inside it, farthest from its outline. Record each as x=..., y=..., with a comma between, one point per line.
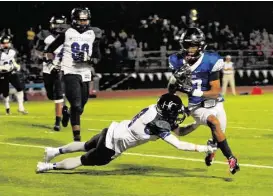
x=57, y=127
x=24, y=112
x=42, y=167
x=66, y=116
x=233, y=165
x=8, y=111
x=210, y=155
x=49, y=154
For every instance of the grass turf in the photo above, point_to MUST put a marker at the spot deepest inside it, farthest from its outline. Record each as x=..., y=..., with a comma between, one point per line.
x=249, y=133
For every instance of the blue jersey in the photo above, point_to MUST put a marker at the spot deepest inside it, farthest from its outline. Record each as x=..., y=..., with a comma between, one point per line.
x=201, y=71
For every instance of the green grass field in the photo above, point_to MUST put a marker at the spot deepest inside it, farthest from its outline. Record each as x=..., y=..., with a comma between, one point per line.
x=176, y=173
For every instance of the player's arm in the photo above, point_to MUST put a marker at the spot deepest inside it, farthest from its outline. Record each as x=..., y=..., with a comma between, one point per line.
x=174, y=65
x=163, y=131
x=17, y=67
x=186, y=146
x=96, y=45
x=185, y=130
x=56, y=43
x=214, y=82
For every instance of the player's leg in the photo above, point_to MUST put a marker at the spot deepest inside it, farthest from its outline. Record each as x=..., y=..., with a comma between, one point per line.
x=73, y=94
x=218, y=134
x=4, y=84
x=18, y=85
x=51, y=152
x=225, y=84
x=85, y=93
x=200, y=115
x=58, y=98
x=232, y=84
x=95, y=146
x=49, y=86
x=101, y=155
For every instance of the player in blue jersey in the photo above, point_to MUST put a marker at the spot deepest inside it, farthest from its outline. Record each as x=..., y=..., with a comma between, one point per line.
x=196, y=73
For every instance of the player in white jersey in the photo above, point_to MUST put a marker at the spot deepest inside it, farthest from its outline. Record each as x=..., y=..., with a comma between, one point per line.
x=78, y=42
x=152, y=123
x=52, y=74
x=9, y=74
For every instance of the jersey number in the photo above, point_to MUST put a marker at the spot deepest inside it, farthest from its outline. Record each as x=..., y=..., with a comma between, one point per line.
x=138, y=116
x=197, y=84
x=76, y=48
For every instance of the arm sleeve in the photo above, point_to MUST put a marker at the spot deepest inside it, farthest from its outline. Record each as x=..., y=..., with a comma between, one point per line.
x=96, y=49
x=180, y=145
x=56, y=43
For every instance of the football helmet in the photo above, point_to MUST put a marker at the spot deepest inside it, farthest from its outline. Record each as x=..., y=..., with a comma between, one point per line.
x=80, y=18
x=5, y=42
x=170, y=107
x=193, y=44
x=57, y=24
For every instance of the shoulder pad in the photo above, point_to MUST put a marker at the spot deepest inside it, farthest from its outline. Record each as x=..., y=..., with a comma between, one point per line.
x=63, y=28
x=175, y=61
x=163, y=125
x=214, y=61
x=97, y=31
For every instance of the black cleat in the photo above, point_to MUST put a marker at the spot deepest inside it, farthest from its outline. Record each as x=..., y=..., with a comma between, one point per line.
x=210, y=155
x=66, y=116
x=8, y=111
x=57, y=127
x=233, y=165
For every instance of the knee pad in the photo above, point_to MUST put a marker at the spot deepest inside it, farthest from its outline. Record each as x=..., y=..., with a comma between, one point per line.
x=76, y=109
x=75, y=113
x=86, y=162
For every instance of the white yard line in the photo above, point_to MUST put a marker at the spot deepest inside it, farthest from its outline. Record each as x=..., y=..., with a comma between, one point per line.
x=154, y=156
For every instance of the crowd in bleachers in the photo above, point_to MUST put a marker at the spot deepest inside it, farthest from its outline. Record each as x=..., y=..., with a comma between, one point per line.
x=119, y=49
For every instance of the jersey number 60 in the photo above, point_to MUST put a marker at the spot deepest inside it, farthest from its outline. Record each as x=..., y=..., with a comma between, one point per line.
x=76, y=48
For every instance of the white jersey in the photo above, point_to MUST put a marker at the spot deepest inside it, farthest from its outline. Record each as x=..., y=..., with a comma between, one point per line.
x=228, y=65
x=58, y=53
x=7, y=61
x=74, y=43
x=146, y=126
x=127, y=134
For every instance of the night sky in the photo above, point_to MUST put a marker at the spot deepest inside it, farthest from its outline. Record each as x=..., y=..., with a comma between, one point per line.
x=241, y=16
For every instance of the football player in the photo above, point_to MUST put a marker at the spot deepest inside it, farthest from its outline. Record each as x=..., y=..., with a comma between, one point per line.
x=52, y=74
x=196, y=73
x=9, y=74
x=154, y=122
x=78, y=41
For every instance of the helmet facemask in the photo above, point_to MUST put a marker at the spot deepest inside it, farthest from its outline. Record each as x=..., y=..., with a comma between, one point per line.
x=81, y=19
x=192, y=44
x=5, y=43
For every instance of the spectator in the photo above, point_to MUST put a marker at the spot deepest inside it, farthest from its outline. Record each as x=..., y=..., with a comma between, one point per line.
x=228, y=77
x=30, y=43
